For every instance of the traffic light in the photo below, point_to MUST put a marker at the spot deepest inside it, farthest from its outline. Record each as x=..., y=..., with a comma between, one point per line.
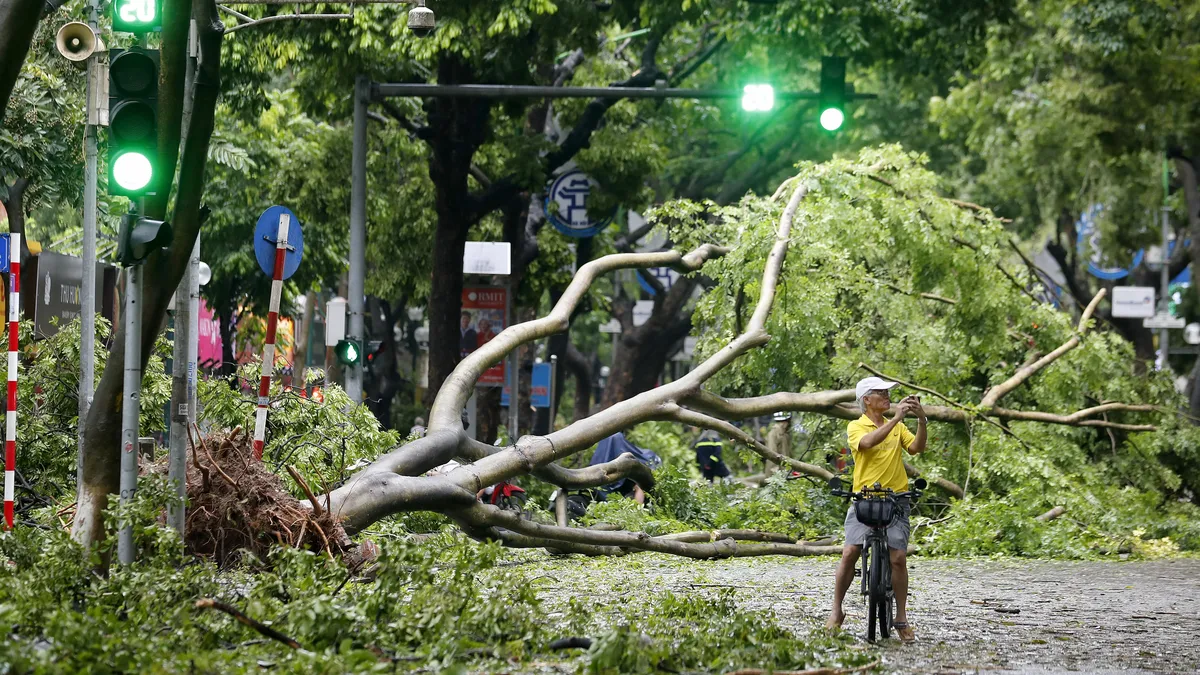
x=833, y=92
x=758, y=97
x=136, y=16
x=348, y=352
x=139, y=237
x=132, y=122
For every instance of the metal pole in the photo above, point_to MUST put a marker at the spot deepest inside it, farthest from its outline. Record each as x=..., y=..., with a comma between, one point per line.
x=130, y=405
x=179, y=407
x=193, y=343
x=358, y=232
x=514, y=369
x=1165, y=280
x=87, y=290
x=553, y=390
x=186, y=326
x=495, y=91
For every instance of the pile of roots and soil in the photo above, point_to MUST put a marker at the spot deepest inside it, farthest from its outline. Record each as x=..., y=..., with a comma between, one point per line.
x=236, y=504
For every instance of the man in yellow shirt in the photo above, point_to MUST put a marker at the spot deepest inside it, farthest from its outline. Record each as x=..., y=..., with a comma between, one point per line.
x=878, y=445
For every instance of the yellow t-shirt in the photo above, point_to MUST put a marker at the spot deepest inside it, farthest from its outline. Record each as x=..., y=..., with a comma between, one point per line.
x=884, y=463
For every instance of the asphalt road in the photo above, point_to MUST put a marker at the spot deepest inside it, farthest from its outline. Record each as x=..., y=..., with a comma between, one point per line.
x=1058, y=617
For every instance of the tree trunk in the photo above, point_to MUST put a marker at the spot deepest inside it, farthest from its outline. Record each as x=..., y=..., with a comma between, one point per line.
x=162, y=272
x=15, y=206
x=228, y=357
x=458, y=128
x=18, y=21
x=384, y=376
x=644, y=349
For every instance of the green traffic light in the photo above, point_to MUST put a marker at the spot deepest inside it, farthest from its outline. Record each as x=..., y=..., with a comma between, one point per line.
x=348, y=352
x=758, y=97
x=132, y=171
x=832, y=119
x=136, y=16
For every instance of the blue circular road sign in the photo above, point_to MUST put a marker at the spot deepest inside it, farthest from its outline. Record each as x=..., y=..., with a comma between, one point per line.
x=265, y=233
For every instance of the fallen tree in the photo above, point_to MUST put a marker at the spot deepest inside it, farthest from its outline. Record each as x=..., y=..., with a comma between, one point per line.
x=394, y=482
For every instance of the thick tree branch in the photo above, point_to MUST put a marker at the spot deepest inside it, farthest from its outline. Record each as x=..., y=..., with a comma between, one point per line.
x=457, y=388
x=487, y=515
x=18, y=21
x=999, y=391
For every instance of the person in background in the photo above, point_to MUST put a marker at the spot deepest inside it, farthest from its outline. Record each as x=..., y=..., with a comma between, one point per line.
x=468, y=340
x=779, y=438
x=613, y=447
x=418, y=428
x=708, y=455
x=485, y=332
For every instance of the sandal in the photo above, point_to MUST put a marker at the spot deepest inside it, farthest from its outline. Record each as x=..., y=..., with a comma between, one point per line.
x=904, y=631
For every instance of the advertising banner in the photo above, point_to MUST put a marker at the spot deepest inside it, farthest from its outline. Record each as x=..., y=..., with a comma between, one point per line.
x=484, y=309
x=210, y=338
x=539, y=388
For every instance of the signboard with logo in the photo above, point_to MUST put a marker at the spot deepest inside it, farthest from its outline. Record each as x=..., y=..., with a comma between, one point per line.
x=566, y=205
x=482, y=318
x=57, y=282
x=1133, y=302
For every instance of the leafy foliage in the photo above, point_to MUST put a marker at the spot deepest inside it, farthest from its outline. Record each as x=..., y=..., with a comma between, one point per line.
x=47, y=393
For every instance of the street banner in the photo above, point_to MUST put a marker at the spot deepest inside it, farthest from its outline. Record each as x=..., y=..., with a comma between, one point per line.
x=211, y=345
x=539, y=388
x=482, y=318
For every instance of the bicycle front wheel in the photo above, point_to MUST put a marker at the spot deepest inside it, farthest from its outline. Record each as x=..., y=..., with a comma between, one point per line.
x=877, y=581
x=883, y=587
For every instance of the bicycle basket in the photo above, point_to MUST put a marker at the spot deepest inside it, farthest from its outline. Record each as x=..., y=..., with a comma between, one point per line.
x=875, y=512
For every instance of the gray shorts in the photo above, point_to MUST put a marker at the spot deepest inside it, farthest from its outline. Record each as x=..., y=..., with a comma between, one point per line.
x=856, y=532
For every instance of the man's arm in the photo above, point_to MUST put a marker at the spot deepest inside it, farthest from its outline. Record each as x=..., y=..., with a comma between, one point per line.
x=876, y=437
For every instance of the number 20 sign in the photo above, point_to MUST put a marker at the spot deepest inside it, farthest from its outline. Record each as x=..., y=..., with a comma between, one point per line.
x=136, y=16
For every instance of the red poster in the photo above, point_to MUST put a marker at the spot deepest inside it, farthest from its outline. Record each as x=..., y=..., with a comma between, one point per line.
x=484, y=309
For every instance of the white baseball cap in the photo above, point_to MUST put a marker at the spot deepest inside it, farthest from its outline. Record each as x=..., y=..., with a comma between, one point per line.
x=869, y=384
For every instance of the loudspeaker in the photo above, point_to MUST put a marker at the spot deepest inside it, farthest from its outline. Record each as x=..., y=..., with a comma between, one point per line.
x=77, y=42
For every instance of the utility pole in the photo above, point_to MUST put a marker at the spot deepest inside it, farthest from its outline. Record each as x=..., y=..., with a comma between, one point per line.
x=183, y=382
x=186, y=320
x=358, y=233
x=1164, y=351
x=130, y=405
x=87, y=290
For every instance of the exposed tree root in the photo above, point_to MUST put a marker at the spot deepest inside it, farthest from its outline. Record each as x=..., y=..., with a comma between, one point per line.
x=248, y=507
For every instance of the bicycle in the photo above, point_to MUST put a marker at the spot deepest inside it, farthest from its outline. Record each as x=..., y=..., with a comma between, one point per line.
x=876, y=508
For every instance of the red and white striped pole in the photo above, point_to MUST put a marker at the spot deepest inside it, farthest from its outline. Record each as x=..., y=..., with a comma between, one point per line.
x=268, y=362
x=14, y=318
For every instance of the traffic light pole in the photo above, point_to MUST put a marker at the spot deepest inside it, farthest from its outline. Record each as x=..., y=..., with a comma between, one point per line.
x=130, y=405
x=358, y=234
